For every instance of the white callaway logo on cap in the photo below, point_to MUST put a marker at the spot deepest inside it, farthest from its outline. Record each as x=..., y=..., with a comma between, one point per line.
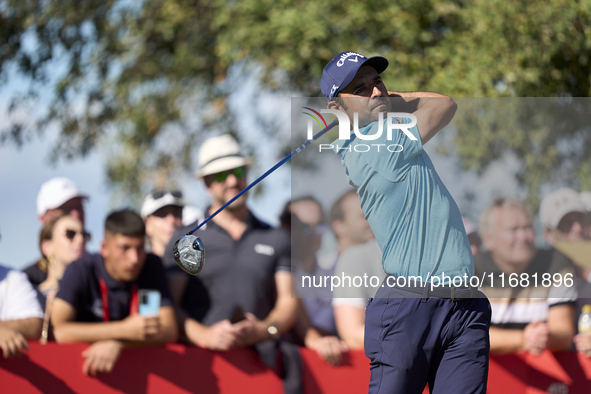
x=341, y=61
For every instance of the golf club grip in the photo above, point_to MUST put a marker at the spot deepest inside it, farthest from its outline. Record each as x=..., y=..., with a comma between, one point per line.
x=276, y=166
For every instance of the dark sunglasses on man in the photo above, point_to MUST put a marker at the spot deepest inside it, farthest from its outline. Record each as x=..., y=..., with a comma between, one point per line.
x=239, y=173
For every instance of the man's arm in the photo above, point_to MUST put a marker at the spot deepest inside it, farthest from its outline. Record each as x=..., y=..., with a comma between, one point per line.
x=533, y=338
x=220, y=336
x=561, y=327
x=434, y=111
x=133, y=328
x=168, y=326
x=283, y=315
x=350, y=322
x=30, y=328
x=504, y=341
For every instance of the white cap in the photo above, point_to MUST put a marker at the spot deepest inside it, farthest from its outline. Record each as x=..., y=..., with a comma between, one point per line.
x=55, y=192
x=220, y=154
x=152, y=204
x=557, y=205
x=191, y=215
x=586, y=200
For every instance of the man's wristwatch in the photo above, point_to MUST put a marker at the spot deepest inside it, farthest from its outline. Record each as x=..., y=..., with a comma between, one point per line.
x=273, y=331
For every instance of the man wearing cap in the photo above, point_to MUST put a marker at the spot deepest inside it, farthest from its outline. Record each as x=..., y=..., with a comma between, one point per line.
x=242, y=297
x=531, y=295
x=564, y=217
x=162, y=212
x=414, y=334
x=58, y=196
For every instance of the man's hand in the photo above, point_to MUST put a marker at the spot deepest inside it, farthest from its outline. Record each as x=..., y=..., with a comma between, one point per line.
x=12, y=342
x=535, y=337
x=330, y=348
x=583, y=343
x=142, y=328
x=101, y=356
x=251, y=330
x=220, y=336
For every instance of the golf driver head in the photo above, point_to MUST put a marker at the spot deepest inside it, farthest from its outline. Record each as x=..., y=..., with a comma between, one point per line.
x=189, y=254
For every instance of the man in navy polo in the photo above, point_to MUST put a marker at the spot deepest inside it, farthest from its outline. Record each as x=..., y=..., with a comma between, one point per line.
x=98, y=297
x=242, y=297
x=413, y=335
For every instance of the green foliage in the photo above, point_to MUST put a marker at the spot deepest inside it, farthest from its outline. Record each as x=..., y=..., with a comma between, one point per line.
x=148, y=79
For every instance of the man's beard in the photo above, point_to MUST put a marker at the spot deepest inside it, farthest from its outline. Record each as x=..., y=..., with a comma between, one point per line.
x=239, y=203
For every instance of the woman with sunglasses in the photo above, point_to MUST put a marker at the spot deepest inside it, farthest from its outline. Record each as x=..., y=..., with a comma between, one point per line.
x=62, y=240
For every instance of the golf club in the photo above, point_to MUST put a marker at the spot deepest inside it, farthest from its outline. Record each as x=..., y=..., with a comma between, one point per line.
x=188, y=250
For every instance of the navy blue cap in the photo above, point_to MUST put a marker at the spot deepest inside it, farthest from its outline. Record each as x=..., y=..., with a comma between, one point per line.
x=341, y=70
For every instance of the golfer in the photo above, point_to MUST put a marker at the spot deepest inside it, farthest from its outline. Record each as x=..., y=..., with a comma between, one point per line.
x=415, y=333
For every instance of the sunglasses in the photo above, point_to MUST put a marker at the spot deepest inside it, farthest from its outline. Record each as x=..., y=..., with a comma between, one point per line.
x=159, y=194
x=239, y=173
x=71, y=234
x=163, y=212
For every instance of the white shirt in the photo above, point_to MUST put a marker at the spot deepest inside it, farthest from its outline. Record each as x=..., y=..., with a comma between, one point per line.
x=18, y=299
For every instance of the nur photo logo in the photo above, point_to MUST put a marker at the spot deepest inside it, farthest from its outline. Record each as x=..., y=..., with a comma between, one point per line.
x=394, y=121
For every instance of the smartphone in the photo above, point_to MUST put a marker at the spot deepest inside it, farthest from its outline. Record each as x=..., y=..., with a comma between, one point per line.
x=236, y=315
x=149, y=302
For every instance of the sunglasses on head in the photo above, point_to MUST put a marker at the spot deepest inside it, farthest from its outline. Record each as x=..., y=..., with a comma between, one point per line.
x=71, y=234
x=239, y=173
x=159, y=194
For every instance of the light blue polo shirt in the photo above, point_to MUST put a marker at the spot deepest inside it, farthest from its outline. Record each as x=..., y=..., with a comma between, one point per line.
x=412, y=214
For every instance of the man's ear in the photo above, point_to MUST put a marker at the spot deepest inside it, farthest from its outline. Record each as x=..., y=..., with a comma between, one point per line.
x=337, y=228
x=334, y=105
x=104, y=251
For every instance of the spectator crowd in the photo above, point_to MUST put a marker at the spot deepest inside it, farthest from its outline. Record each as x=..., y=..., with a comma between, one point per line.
x=250, y=292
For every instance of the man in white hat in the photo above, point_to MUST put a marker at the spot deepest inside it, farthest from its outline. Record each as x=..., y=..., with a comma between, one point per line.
x=162, y=212
x=59, y=196
x=242, y=297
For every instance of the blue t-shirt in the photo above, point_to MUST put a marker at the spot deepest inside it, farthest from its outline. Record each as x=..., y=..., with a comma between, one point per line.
x=413, y=216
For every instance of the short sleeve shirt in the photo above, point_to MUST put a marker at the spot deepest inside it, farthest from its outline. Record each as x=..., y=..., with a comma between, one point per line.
x=18, y=299
x=236, y=273
x=80, y=287
x=360, y=261
x=517, y=303
x=35, y=275
x=412, y=214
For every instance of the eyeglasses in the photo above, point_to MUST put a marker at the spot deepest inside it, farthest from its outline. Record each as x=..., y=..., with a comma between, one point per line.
x=70, y=234
x=159, y=194
x=239, y=173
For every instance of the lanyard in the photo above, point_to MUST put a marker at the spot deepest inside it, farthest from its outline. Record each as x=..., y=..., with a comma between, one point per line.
x=133, y=305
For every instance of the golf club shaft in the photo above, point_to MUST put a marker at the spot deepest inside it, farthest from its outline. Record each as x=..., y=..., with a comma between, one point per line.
x=276, y=166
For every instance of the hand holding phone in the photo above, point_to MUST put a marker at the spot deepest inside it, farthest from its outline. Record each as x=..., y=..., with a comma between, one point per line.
x=149, y=304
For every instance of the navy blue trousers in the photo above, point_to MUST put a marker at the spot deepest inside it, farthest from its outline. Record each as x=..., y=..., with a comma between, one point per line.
x=414, y=341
